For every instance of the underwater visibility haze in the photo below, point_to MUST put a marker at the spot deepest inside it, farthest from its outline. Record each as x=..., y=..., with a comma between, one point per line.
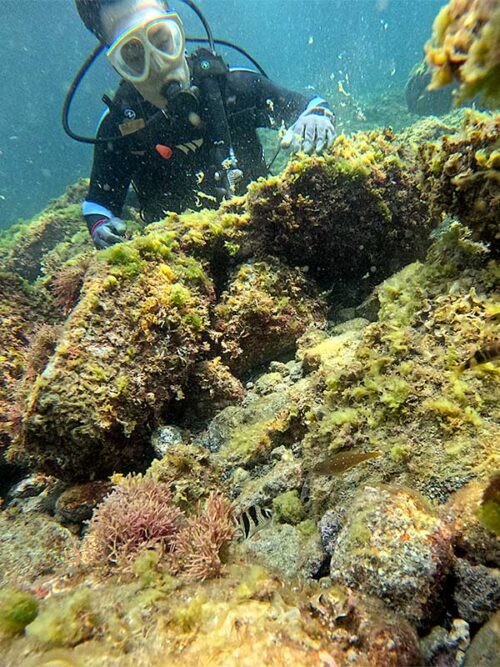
x=257, y=422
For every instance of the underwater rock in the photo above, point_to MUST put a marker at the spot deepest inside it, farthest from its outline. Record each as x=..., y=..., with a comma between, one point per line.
x=32, y=545
x=76, y=504
x=285, y=475
x=402, y=391
x=446, y=648
x=393, y=546
x=125, y=352
x=329, y=528
x=148, y=312
x=355, y=212
x=464, y=46
x=477, y=591
x=30, y=486
x=211, y=388
x=460, y=173
x=485, y=647
x=472, y=540
x=247, y=617
x=263, y=311
x=245, y=435
x=287, y=550
x=190, y=472
x=59, y=232
x=37, y=493
x=165, y=437
x=66, y=622
x=23, y=310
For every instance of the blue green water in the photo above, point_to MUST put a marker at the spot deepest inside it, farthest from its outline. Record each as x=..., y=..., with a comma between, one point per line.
x=368, y=45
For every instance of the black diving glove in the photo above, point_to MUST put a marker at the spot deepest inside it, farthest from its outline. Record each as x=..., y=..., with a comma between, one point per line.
x=105, y=232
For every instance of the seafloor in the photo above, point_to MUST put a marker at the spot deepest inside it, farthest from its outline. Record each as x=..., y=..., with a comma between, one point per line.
x=304, y=349
x=266, y=434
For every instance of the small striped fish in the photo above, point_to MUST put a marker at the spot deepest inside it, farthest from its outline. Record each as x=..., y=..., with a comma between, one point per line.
x=252, y=520
x=483, y=355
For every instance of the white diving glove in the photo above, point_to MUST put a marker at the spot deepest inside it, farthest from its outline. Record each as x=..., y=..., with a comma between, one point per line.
x=107, y=232
x=312, y=132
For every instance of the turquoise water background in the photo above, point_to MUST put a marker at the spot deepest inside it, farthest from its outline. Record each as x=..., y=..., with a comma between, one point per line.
x=368, y=45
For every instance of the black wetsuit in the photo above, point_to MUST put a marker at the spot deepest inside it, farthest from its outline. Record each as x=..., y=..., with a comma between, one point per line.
x=250, y=101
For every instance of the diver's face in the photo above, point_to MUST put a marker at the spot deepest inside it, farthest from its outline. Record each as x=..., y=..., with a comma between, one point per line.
x=146, y=47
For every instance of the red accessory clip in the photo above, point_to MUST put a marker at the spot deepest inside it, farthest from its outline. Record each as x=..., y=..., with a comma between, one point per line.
x=165, y=151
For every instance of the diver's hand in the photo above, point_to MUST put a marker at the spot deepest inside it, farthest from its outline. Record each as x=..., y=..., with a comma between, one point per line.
x=108, y=231
x=312, y=132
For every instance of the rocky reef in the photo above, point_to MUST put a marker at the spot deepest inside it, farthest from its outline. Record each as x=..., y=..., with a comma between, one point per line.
x=464, y=47
x=315, y=348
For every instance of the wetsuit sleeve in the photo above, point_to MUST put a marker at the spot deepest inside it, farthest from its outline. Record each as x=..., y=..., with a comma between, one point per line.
x=112, y=171
x=273, y=104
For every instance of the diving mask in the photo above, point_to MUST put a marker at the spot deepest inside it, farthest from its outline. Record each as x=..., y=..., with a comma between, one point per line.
x=150, y=54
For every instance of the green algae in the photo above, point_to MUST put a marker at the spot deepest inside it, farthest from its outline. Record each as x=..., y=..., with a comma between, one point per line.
x=17, y=610
x=489, y=510
x=288, y=507
x=66, y=621
x=188, y=617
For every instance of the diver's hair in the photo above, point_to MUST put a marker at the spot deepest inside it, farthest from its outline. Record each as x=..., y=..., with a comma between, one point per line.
x=90, y=13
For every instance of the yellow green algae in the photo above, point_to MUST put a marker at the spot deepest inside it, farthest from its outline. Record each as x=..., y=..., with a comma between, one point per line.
x=489, y=510
x=59, y=231
x=373, y=404
x=17, y=610
x=403, y=391
x=148, y=310
x=464, y=46
x=288, y=507
x=248, y=614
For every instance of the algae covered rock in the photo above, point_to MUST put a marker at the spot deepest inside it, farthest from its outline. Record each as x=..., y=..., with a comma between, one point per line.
x=264, y=310
x=460, y=174
x=465, y=46
x=189, y=471
x=243, y=283
x=17, y=609
x=293, y=552
x=65, y=622
x=357, y=210
x=32, y=545
x=23, y=310
x=393, y=546
x=379, y=417
x=248, y=617
x=59, y=231
x=472, y=539
x=210, y=388
x=125, y=353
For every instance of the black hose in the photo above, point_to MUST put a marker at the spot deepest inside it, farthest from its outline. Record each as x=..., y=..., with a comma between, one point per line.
x=204, y=21
x=71, y=93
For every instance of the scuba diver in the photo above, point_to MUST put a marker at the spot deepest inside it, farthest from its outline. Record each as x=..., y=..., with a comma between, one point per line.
x=181, y=128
